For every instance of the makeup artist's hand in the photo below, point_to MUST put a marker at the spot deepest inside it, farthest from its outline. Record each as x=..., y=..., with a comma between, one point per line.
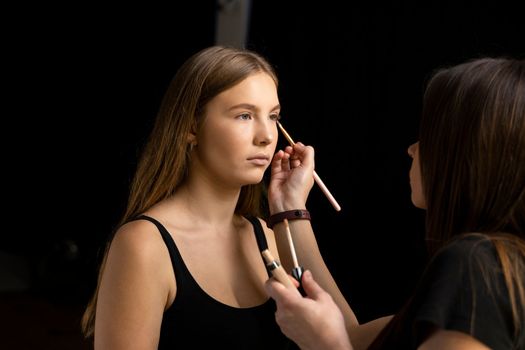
x=291, y=178
x=312, y=322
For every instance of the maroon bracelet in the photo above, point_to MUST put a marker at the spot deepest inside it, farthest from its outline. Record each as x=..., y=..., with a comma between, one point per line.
x=289, y=215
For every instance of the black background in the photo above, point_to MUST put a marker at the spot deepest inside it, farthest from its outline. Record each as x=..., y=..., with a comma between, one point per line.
x=82, y=86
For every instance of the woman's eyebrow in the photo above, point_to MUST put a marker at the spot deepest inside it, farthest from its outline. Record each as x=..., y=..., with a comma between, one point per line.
x=251, y=107
x=244, y=106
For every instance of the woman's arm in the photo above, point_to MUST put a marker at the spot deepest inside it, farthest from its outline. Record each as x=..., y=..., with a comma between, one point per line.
x=134, y=290
x=292, y=179
x=453, y=340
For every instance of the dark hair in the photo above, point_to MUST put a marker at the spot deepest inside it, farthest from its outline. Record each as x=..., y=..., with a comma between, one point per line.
x=472, y=149
x=472, y=156
x=472, y=161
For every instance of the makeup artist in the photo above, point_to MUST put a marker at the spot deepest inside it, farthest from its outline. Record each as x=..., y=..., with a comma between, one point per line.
x=468, y=173
x=184, y=265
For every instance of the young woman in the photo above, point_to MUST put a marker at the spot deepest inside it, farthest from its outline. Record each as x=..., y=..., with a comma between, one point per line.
x=184, y=267
x=468, y=172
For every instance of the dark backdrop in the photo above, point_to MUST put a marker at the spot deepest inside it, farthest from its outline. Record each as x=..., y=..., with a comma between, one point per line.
x=84, y=85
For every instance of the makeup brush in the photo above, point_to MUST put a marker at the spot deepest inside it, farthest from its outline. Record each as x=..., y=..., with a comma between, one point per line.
x=297, y=271
x=317, y=179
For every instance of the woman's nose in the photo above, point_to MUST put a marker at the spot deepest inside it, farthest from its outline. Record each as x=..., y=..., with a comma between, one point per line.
x=411, y=150
x=265, y=133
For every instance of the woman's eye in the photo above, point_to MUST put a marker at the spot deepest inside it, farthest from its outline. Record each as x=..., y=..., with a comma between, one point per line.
x=244, y=116
x=275, y=117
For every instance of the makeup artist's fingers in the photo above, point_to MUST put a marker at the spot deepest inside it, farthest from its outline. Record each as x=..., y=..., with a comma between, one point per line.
x=279, y=292
x=313, y=323
x=280, y=162
x=292, y=168
x=294, y=281
x=297, y=154
x=277, y=157
x=311, y=287
x=289, y=150
x=304, y=153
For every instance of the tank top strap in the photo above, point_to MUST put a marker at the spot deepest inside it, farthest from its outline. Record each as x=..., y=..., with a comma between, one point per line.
x=260, y=237
x=182, y=273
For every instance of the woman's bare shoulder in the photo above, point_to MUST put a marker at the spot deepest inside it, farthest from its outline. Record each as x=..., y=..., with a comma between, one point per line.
x=139, y=240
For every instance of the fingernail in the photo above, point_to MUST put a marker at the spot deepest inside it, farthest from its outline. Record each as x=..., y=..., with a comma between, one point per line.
x=307, y=274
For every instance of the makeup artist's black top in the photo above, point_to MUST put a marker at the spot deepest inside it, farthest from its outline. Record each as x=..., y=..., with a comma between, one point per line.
x=195, y=320
x=462, y=289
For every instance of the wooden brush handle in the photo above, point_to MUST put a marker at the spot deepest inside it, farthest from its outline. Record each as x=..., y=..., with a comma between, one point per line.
x=276, y=269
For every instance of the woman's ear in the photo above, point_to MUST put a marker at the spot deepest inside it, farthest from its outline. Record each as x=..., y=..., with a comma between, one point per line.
x=191, y=138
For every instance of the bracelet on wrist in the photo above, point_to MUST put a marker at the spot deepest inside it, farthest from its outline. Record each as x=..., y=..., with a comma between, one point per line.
x=294, y=214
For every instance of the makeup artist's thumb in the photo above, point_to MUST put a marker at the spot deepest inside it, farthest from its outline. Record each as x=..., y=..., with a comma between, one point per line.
x=310, y=286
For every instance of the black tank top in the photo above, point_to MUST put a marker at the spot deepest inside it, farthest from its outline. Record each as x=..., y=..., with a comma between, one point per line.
x=195, y=320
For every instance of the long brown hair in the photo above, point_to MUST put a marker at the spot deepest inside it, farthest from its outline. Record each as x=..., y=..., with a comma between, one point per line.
x=472, y=149
x=163, y=165
x=472, y=161
x=472, y=156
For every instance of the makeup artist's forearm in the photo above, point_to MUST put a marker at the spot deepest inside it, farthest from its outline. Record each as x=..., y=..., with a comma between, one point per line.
x=309, y=257
x=363, y=334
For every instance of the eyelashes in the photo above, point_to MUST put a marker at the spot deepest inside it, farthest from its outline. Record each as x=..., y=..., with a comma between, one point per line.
x=247, y=116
